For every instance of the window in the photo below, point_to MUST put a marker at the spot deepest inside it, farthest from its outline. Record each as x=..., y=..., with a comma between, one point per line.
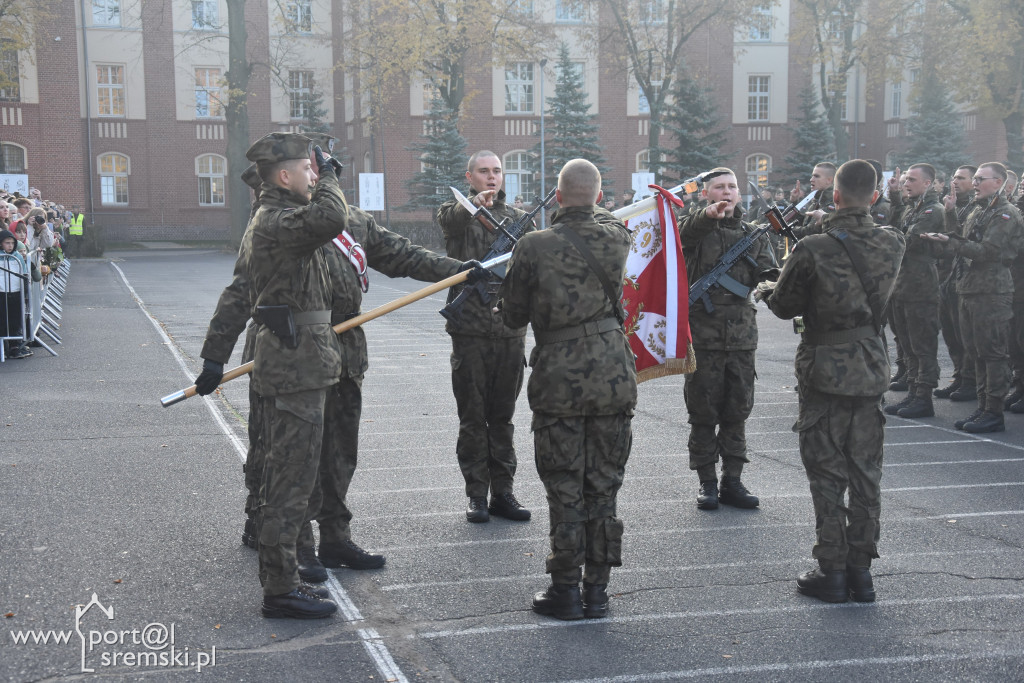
x=11, y=76
x=211, y=170
x=897, y=101
x=652, y=12
x=204, y=14
x=106, y=12
x=523, y=8
x=299, y=15
x=915, y=93
x=519, y=88
x=643, y=161
x=570, y=12
x=837, y=90
x=758, y=90
x=657, y=78
x=836, y=26
x=209, y=103
x=367, y=162
x=300, y=88
x=12, y=158
x=758, y=168
x=518, y=172
x=110, y=89
x=761, y=23
x=114, y=179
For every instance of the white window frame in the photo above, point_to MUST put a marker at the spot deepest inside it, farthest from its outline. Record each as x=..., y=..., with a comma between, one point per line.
x=519, y=163
x=652, y=12
x=9, y=61
x=298, y=14
x=761, y=26
x=643, y=161
x=113, y=178
x=896, y=100
x=657, y=76
x=106, y=12
x=4, y=157
x=115, y=95
x=519, y=81
x=758, y=165
x=299, y=91
x=759, y=97
x=205, y=15
x=841, y=95
x=211, y=170
x=209, y=93
x=570, y=11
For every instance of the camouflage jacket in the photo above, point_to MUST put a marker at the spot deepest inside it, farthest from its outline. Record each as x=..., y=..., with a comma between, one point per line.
x=993, y=237
x=881, y=210
x=551, y=286
x=732, y=326
x=952, y=222
x=822, y=200
x=466, y=238
x=286, y=266
x=820, y=283
x=918, y=279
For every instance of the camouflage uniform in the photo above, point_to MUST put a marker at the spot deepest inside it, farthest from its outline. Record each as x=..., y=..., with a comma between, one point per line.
x=949, y=316
x=1017, y=324
x=583, y=386
x=986, y=295
x=881, y=210
x=915, y=299
x=721, y=392
x=286, y=267
x=841, y=379
x=823, y=201
x=488, y=359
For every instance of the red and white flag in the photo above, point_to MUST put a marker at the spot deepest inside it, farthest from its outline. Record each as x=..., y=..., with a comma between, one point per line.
x=655, y=293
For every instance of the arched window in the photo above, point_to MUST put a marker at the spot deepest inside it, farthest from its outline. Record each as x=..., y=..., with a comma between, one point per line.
x=367, y=162
x=890, y=159
x=758, y=167
x=114, y=170
x=211, y=169
x=643, y=161
x=12, y=158
x=518, y=171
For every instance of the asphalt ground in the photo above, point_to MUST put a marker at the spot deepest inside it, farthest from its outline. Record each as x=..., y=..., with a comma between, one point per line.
x=104, y=491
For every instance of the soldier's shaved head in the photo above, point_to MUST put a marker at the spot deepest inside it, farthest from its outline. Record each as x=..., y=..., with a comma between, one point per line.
x=579, y=184
x=479, y=155
x=927, y=169
x=855, y=184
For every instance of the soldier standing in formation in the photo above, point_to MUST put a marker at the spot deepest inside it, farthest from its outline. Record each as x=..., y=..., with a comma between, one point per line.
x=488, y=356
x=915, y=299
x=822, y=176
x=720, y=394
x=840, y=282
x=567, y=283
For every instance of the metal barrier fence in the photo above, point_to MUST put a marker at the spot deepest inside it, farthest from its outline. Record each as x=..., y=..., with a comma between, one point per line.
x=39, y=302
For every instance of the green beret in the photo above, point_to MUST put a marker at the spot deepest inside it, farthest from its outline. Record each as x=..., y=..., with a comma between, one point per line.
x=325, y=140
x=251, y=177
x=276, y=147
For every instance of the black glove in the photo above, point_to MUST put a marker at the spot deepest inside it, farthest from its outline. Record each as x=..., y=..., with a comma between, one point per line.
x=209, y=379
x=322, y=165
x=337, y=166
x=476, y=272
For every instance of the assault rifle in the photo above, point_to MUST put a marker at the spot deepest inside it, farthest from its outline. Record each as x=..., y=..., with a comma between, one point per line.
x=794, y=211
x=956, y=271
x=719, y=276
x=510, y=231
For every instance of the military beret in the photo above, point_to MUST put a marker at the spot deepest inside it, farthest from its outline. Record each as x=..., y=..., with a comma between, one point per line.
x=251, y=177
x=325, y=140
x=276, y=147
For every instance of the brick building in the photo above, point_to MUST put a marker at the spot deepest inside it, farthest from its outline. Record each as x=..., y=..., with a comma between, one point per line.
x=120, y=114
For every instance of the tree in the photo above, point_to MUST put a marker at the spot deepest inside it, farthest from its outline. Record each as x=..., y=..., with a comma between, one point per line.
x=236, y=118
x=19, y=22
x=442, y=151
x=316, y=112
x=812, y=139
x=935, y=130
x=571, y=133
x=692, y=118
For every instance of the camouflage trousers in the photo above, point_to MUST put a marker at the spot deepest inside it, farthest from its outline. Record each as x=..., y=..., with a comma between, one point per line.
x=720, y=394
x=841, y=441
x=916, y=323
x=293, y=436
x=338, y=458
x=487, y=374
x=949, y=321
x=897, y=341
x=985, y=326
x=581, y=461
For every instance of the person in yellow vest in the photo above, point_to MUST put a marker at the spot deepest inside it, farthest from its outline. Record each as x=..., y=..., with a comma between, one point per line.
x=75, y=234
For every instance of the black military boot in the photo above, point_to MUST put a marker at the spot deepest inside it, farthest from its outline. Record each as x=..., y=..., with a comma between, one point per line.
x=298, y=604
x=477, y=510
x=348, y=554
x=1017, y=395
x=595, y=600
x=988, y=421
x=959, y=424
x=966, y=392
x=561, y=601
x=707, y=499
x=828, y=585
x=899, y=380
x=946, y=391
x=1017, y=407
x=858, y=580
x=314, y=589
x=920, y=405
x=895, y=408
x=249, y=532
x=505, y=505
x=310, y=569
x=734, y=493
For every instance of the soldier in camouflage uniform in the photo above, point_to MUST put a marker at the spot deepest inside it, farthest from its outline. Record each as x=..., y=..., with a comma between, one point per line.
x=567, y=283
x=1015, y=401
x=915, y=300
x=821, y=184
x=488, y=357
x=957, y=205
x=989, y=244
x=881, y=210
x=720, y=394
x=840, y=281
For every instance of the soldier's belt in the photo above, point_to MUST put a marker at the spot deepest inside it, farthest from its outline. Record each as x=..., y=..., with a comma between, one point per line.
x=312, y=317
x=841, y=336
x=576, y=331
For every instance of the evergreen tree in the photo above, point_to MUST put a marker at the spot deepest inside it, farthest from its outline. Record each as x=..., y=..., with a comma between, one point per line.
x=442, y=149
x=692, y=119
x=571, y=132
x=316, y=112
x=812, y=140
x=935, y=130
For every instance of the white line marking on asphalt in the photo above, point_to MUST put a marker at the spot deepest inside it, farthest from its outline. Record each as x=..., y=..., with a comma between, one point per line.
x=798, y=666
x=374, y=646
x=712, y=614
x=950, y=462
x=997, y=513
x=968, y=435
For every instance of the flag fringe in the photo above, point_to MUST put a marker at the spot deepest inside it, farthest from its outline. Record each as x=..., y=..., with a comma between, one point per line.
x=671, y=366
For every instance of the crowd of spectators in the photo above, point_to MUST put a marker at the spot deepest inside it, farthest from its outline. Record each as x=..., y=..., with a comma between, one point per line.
x=33, y=233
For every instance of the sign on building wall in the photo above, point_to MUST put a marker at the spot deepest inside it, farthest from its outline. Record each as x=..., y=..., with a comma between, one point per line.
x=14, y=182
x=640, y=183
x=371, y=191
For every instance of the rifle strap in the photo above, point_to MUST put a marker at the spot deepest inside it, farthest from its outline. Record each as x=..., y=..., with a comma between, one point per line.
x=581, y=246
x=878, y=307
